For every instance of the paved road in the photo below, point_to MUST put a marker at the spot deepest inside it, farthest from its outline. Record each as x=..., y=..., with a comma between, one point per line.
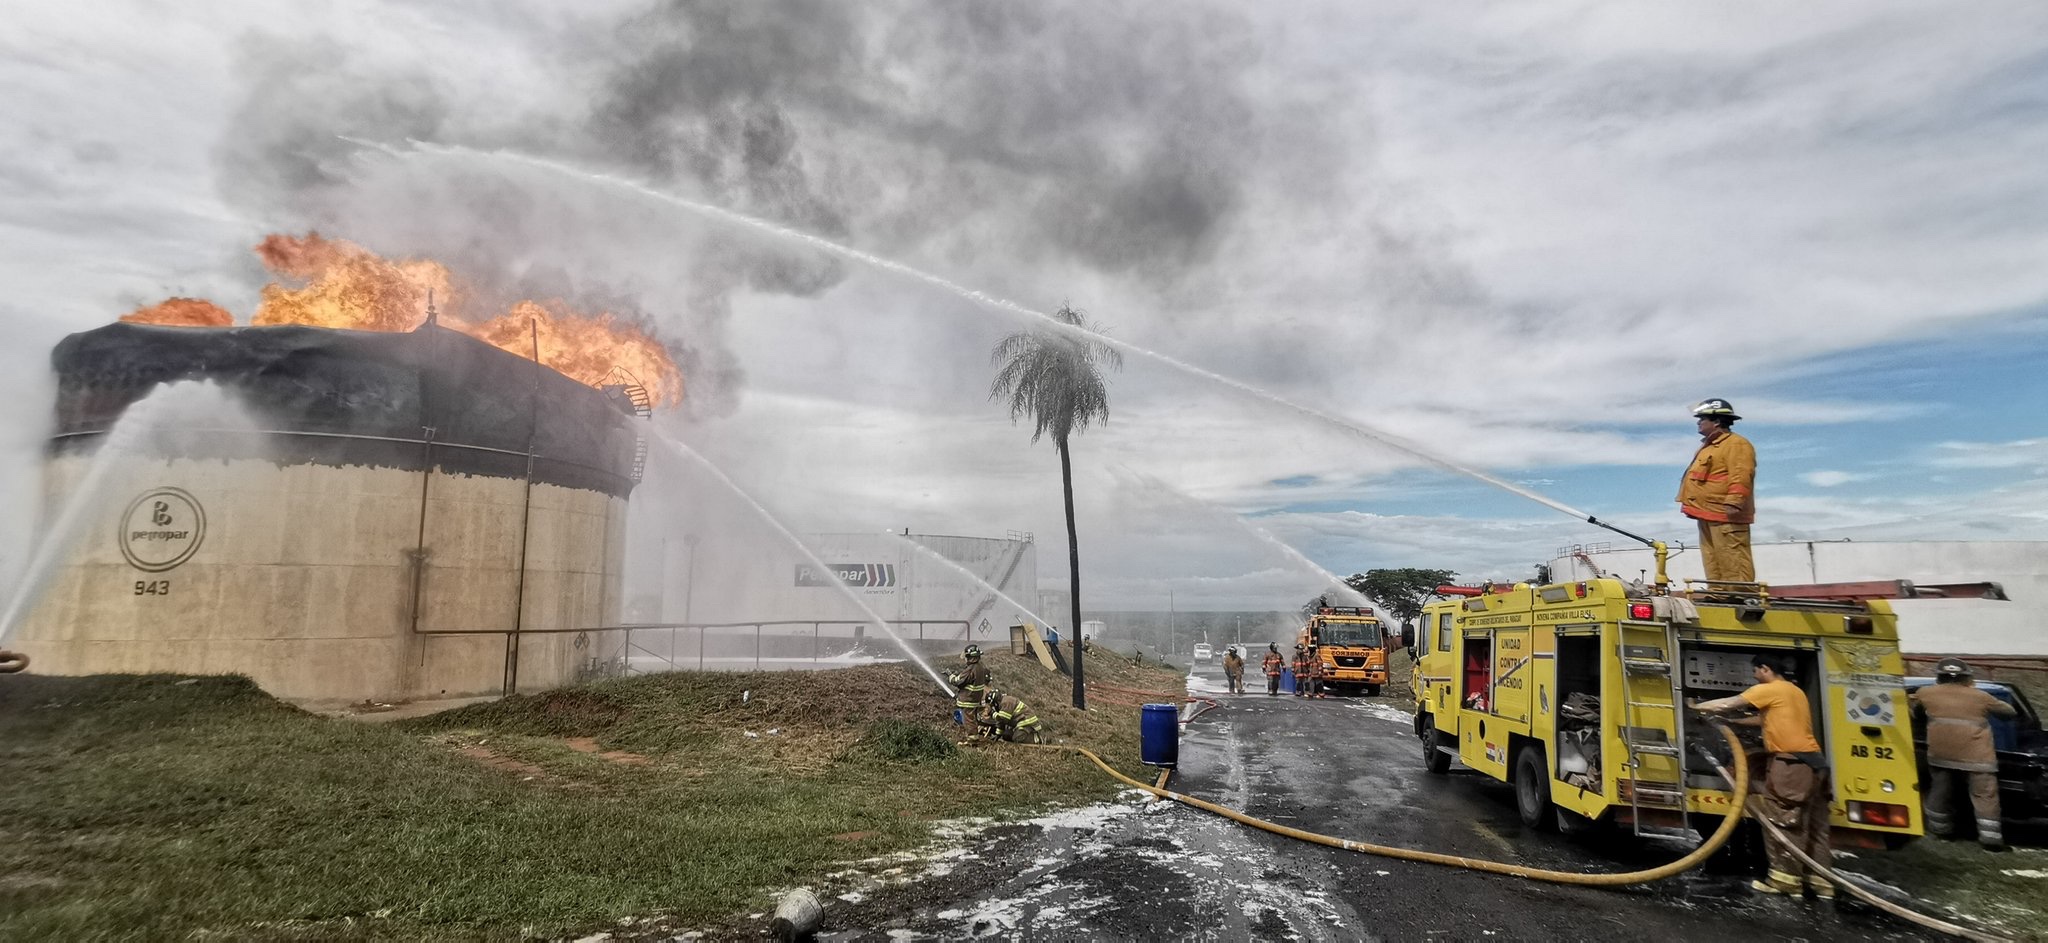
x=1347, y=767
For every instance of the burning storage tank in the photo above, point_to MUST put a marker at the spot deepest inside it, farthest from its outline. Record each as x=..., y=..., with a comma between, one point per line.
x=405, y=515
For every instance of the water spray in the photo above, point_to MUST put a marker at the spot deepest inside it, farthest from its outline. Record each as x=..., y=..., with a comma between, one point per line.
x=956, y=567
x=1350, y=426
x=677, y=446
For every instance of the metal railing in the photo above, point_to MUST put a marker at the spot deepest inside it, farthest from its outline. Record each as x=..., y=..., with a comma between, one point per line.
x=789, y=645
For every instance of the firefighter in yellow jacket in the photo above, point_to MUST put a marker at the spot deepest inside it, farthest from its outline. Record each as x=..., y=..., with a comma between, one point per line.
x=1005, y=717
x=1719, y=492
x=1959, y=746
x=969, y=682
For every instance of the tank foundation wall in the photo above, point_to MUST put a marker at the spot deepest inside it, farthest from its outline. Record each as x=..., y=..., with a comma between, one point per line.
x=330, y=584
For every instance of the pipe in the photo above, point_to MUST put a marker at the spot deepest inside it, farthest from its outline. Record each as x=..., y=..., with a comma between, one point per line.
x=1693, y=859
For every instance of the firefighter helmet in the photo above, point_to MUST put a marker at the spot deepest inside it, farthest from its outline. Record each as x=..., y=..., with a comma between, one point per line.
x=1952, y=669
x=990, y=697
x=1715, y=408
x=973, y=653
x=1273, y=647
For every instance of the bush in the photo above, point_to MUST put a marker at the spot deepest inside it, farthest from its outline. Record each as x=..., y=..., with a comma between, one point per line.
x=907, y=741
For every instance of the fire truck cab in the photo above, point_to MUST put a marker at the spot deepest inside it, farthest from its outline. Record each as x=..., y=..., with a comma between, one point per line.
x=1575, y=693
x=1352, y=645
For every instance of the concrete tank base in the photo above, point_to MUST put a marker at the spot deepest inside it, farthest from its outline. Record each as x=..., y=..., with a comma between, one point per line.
x=353, y=516
x=306, y=582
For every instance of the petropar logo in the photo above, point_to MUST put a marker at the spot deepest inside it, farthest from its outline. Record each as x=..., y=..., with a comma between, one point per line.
x=162, y=529
x=856, y=575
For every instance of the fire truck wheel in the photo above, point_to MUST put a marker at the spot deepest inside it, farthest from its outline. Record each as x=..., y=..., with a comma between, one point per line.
x=1370, y=690
x=1433, y=759
x=1532, y=788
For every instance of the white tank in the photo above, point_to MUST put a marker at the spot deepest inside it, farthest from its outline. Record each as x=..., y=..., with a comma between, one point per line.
x=397, y=516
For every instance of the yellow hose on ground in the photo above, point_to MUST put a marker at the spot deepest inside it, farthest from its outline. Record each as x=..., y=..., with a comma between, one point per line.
x=1910, y=916
x=1690, y=861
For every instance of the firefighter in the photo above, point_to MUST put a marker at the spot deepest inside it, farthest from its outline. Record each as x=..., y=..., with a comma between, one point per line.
x=1796, y=789
x=1718, y=492
x=1959, y=745
x=1300, y=671
x=1233, y=670
x=1005, y=717
x=969, y=682
x=1273, y=664
x=1315, y=673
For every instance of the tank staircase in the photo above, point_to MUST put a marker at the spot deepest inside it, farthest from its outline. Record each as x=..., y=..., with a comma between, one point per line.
x=1016, y=560
x=1653, y=732
x=635, y=399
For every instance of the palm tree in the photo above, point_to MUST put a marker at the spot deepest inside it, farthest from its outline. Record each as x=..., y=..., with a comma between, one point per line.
x=1055, y=377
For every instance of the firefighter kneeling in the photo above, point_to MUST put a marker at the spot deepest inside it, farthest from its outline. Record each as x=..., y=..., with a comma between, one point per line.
x=1004, y=717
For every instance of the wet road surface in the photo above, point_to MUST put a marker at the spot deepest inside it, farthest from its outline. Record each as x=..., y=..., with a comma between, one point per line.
x=1144, y=869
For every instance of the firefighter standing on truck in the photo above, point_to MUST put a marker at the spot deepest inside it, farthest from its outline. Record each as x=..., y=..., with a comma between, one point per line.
x=1273, y=664
x=1719, y=492
x=1796, y=789
x=1959, y=745
x=969, y=682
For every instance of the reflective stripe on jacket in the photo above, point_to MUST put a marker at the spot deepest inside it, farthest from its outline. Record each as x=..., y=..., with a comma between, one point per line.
x=1722, y=473
x=1011, y=712
x=1958, y=726
x=970, y=681
x=1274, y=663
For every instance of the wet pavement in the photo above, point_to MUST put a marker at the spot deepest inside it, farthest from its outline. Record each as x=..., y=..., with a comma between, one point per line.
x=1145, y=869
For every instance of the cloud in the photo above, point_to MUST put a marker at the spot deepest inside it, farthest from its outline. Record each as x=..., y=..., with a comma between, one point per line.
x=1830, y=479
x=1526, y=238
x=2019, y=453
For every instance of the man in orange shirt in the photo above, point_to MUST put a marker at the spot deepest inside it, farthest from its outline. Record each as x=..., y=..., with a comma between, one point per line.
x=1795, y=789
x=1719, y=492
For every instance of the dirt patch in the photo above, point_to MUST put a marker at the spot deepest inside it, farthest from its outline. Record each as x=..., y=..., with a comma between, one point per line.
x=621, y=757
x=500, y=761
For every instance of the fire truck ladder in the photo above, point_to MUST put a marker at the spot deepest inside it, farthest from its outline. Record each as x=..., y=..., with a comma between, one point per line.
x=1654, y=730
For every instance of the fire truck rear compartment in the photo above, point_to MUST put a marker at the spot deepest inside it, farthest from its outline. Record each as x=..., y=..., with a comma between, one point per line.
x=1709, y=671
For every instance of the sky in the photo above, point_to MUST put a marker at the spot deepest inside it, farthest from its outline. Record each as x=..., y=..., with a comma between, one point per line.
x=1525, y=237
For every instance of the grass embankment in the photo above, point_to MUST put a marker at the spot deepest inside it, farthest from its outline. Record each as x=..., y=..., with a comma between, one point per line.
x=158, y=807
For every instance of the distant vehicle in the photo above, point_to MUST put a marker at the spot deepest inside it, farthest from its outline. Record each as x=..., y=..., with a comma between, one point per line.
x=2022, y=753
x=1203, y=652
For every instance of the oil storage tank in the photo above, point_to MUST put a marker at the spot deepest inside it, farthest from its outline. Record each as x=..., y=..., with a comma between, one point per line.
x=397, y=516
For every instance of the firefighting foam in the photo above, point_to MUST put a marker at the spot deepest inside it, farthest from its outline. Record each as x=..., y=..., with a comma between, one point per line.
x=335, y=283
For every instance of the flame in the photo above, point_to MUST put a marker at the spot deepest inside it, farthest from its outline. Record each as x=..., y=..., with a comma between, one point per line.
x=182, y=312
x=343, y=285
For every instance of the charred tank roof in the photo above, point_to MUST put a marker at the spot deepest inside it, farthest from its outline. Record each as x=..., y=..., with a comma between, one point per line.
x=342, y=397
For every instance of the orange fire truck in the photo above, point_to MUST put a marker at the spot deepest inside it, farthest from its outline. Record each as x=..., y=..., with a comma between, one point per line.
x=1351, y=644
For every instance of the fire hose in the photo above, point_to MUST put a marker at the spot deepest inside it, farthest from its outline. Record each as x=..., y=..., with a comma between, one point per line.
x=11, y=662
x=1738, y=779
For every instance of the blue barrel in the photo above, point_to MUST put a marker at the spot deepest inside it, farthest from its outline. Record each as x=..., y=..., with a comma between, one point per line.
x=1287, y=681
x=1159, y=728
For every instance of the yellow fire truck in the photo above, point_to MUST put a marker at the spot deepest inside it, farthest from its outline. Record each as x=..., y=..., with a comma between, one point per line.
x=1351, y=644
x=1575, y=693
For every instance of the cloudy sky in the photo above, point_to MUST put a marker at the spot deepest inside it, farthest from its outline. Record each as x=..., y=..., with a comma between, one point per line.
x=1525, y=237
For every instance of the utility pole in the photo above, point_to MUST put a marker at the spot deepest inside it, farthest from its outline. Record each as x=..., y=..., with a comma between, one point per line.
x=1172, y=632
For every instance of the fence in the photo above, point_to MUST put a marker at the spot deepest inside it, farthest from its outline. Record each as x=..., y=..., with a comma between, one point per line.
x=778, y=645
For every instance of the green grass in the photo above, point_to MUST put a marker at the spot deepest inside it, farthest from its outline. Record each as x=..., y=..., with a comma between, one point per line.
x=150, y=807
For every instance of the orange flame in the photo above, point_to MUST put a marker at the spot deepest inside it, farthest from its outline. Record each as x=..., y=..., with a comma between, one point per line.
x=182, y=312
x=344, y=285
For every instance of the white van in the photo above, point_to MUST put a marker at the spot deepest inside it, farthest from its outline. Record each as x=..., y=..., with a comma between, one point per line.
x=1203, y=652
